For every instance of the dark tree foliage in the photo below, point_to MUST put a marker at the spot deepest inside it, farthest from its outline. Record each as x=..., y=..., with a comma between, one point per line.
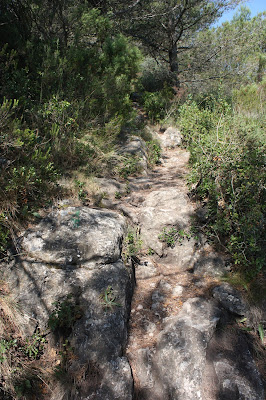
x=167, y=28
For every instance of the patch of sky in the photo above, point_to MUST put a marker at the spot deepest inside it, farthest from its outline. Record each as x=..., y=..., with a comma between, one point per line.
x=255, y=7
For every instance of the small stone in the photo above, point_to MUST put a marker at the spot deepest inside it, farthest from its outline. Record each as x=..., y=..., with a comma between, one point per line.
x=178, y=290
x=230, y=299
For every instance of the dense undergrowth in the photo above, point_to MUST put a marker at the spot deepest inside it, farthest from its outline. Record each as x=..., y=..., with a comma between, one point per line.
x=227, y=144
x=63, y=108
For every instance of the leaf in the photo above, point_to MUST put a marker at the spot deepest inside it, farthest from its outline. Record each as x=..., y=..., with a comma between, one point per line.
x=242, y=320
x=36, y=214
x=261, y=332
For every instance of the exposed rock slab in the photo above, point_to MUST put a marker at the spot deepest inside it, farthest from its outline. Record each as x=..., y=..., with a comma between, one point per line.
x=230, y=371
x=111, y=187
x=210, y=265
x=164, y=208
x=181, y=350
x=173, y=369
x=76, y=236
x=99, y=336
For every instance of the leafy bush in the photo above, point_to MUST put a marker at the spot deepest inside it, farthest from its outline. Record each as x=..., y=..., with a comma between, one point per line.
x=130, y=166
x=251, y=98
x=157, y=103
x=132, y=244
x=154, y=152
x=228, y=161
x=154, y=77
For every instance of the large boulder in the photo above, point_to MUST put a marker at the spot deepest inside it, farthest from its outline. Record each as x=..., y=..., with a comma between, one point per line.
x=171, y=138
x=75, y=253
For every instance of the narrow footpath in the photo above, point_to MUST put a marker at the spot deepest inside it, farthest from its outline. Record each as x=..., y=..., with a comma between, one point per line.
x=176, y=347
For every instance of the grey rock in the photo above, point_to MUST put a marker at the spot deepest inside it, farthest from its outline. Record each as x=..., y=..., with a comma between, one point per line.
x=178, y=290
x=129, y=212
x=76, y=236
x=135, y=146
x=99, y=336
x=111, y=187
x=210, y=265
x=145, y=270
x=115, y=382
x=163, y=208
x=237, y=381
x=171, y=138
x=151, y=387
x=230, y=299
x=181, y=349
x=230, y=371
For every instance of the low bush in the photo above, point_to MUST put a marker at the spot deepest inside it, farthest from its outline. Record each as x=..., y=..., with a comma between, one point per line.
x=156, y=104
x=228, y=168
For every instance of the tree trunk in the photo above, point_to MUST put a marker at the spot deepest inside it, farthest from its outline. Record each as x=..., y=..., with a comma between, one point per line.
x=173, y=63
x=173, y=59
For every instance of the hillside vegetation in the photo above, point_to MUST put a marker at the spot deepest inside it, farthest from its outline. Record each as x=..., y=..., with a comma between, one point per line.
x=68, y=71
x=76, y=79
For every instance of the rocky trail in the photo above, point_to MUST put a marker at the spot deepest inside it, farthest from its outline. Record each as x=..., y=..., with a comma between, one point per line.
x=180, y=345
x=163, y=327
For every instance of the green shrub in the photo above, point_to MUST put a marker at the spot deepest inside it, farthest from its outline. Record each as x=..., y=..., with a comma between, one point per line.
x=65, y=313
x=130, y=167
x=251, y=98
x=156, y=104
x=228, y=164
x=132, y=244
x=154, y=77
x=154, y=152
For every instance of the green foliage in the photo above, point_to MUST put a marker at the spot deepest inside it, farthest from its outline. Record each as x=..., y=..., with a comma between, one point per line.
x=132, y=244
x=232, y=53
x=73, y=85
x=150, y=251
x=5, y=346
x=23, y=387
x=118, y=195
x=120, y=66
x=154, y=77
x=154, y=152
x=228, y=161
x=131, y=166
x=108, y=298
x=251, y=98
x=82, y=194
x=34, y=345
x=156, y=104
x=64, y=315
x=171, y=236
x=261, y=333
